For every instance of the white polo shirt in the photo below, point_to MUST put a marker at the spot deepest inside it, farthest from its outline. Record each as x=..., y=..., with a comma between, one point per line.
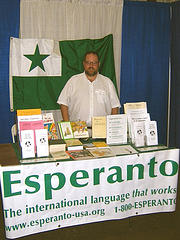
x=86, y=99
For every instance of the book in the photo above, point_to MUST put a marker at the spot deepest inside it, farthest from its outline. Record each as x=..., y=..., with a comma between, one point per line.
x=65, y=130
x=49, y=124
x=79, y=129
x=73, y=144
x=99, y=127
x=101, y=152
x=60, y=155
x=100, y=144
x=74, y=129
x=88, y=145
x=123, y=149
x=57, y=145
x=80, y=154
x=116, y=129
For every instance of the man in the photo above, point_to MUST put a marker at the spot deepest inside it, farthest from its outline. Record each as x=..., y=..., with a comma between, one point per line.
x=88, y=94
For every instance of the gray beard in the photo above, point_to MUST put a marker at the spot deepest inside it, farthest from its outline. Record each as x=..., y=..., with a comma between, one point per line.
x=91, y=74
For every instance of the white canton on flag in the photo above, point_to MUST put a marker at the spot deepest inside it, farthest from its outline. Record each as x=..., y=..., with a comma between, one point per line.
x=35, y=57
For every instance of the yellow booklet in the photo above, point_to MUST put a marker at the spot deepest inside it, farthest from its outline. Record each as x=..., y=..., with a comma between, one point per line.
x=99, y=127
x=26, y=112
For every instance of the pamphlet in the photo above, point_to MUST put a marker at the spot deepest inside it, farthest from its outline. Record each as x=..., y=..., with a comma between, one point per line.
x=135, y=117
x=30, y=125
x=139, y=133
x=99, y=127
x=135, y=107
x=42, y=142
x=28, y=112
x=27, y=144
x=116, y=129
x=151, y=133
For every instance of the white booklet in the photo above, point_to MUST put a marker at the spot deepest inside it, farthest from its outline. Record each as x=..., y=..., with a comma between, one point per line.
x=27, y=144
x=116, y=129
x=135, y=117
x=42, y=142
x=139, y=133
x=151, y=133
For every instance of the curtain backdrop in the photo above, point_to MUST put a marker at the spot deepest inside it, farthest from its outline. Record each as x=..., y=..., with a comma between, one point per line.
x=9, y=26
x=175, y=77
x=72, y=20
x=145, y=59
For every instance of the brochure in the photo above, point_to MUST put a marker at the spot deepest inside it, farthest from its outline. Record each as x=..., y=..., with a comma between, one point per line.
x=27, y=144
x=99, y=127
x=151, y=133
x=116, y=129
x=42, y=142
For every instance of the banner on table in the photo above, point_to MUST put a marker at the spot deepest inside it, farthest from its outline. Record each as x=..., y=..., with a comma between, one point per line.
x=39, y=68
x=54, y=195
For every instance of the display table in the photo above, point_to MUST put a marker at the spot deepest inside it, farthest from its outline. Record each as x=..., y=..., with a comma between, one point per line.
x=47, y=196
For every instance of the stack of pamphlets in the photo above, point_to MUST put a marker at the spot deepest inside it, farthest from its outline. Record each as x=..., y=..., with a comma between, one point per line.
x=141, y=130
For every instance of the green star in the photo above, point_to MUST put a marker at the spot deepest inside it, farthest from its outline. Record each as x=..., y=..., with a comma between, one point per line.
x=36, y=59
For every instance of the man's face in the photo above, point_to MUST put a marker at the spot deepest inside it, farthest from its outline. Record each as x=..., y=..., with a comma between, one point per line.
x=91, y=65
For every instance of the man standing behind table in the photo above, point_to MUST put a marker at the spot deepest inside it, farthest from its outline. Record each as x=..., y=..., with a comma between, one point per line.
x=88, y=94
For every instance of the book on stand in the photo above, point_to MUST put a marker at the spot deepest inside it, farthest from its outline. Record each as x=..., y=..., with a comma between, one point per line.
x=99, y=127
x=49, y=124
x=75, y=129
x=116, y=129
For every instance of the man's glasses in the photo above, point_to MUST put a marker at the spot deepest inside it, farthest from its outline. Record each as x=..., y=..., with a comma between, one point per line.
x=91, y=63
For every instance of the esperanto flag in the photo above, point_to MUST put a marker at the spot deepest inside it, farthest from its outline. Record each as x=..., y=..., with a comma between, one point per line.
x=39, y=68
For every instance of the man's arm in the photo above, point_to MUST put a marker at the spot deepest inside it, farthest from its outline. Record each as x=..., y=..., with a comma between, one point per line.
x=64, y=112
x=114, y=111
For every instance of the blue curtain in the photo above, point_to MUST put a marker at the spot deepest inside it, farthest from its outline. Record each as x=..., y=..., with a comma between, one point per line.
x=145, y=59
x=9, y=27
x=175, y=77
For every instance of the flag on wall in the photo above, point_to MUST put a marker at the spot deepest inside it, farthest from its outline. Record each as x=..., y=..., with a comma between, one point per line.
x=39, y=68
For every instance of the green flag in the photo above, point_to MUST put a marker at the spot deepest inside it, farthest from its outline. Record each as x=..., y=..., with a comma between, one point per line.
x=40, y=73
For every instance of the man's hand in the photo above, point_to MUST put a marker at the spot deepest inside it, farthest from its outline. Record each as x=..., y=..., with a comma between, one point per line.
x=64, y=112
